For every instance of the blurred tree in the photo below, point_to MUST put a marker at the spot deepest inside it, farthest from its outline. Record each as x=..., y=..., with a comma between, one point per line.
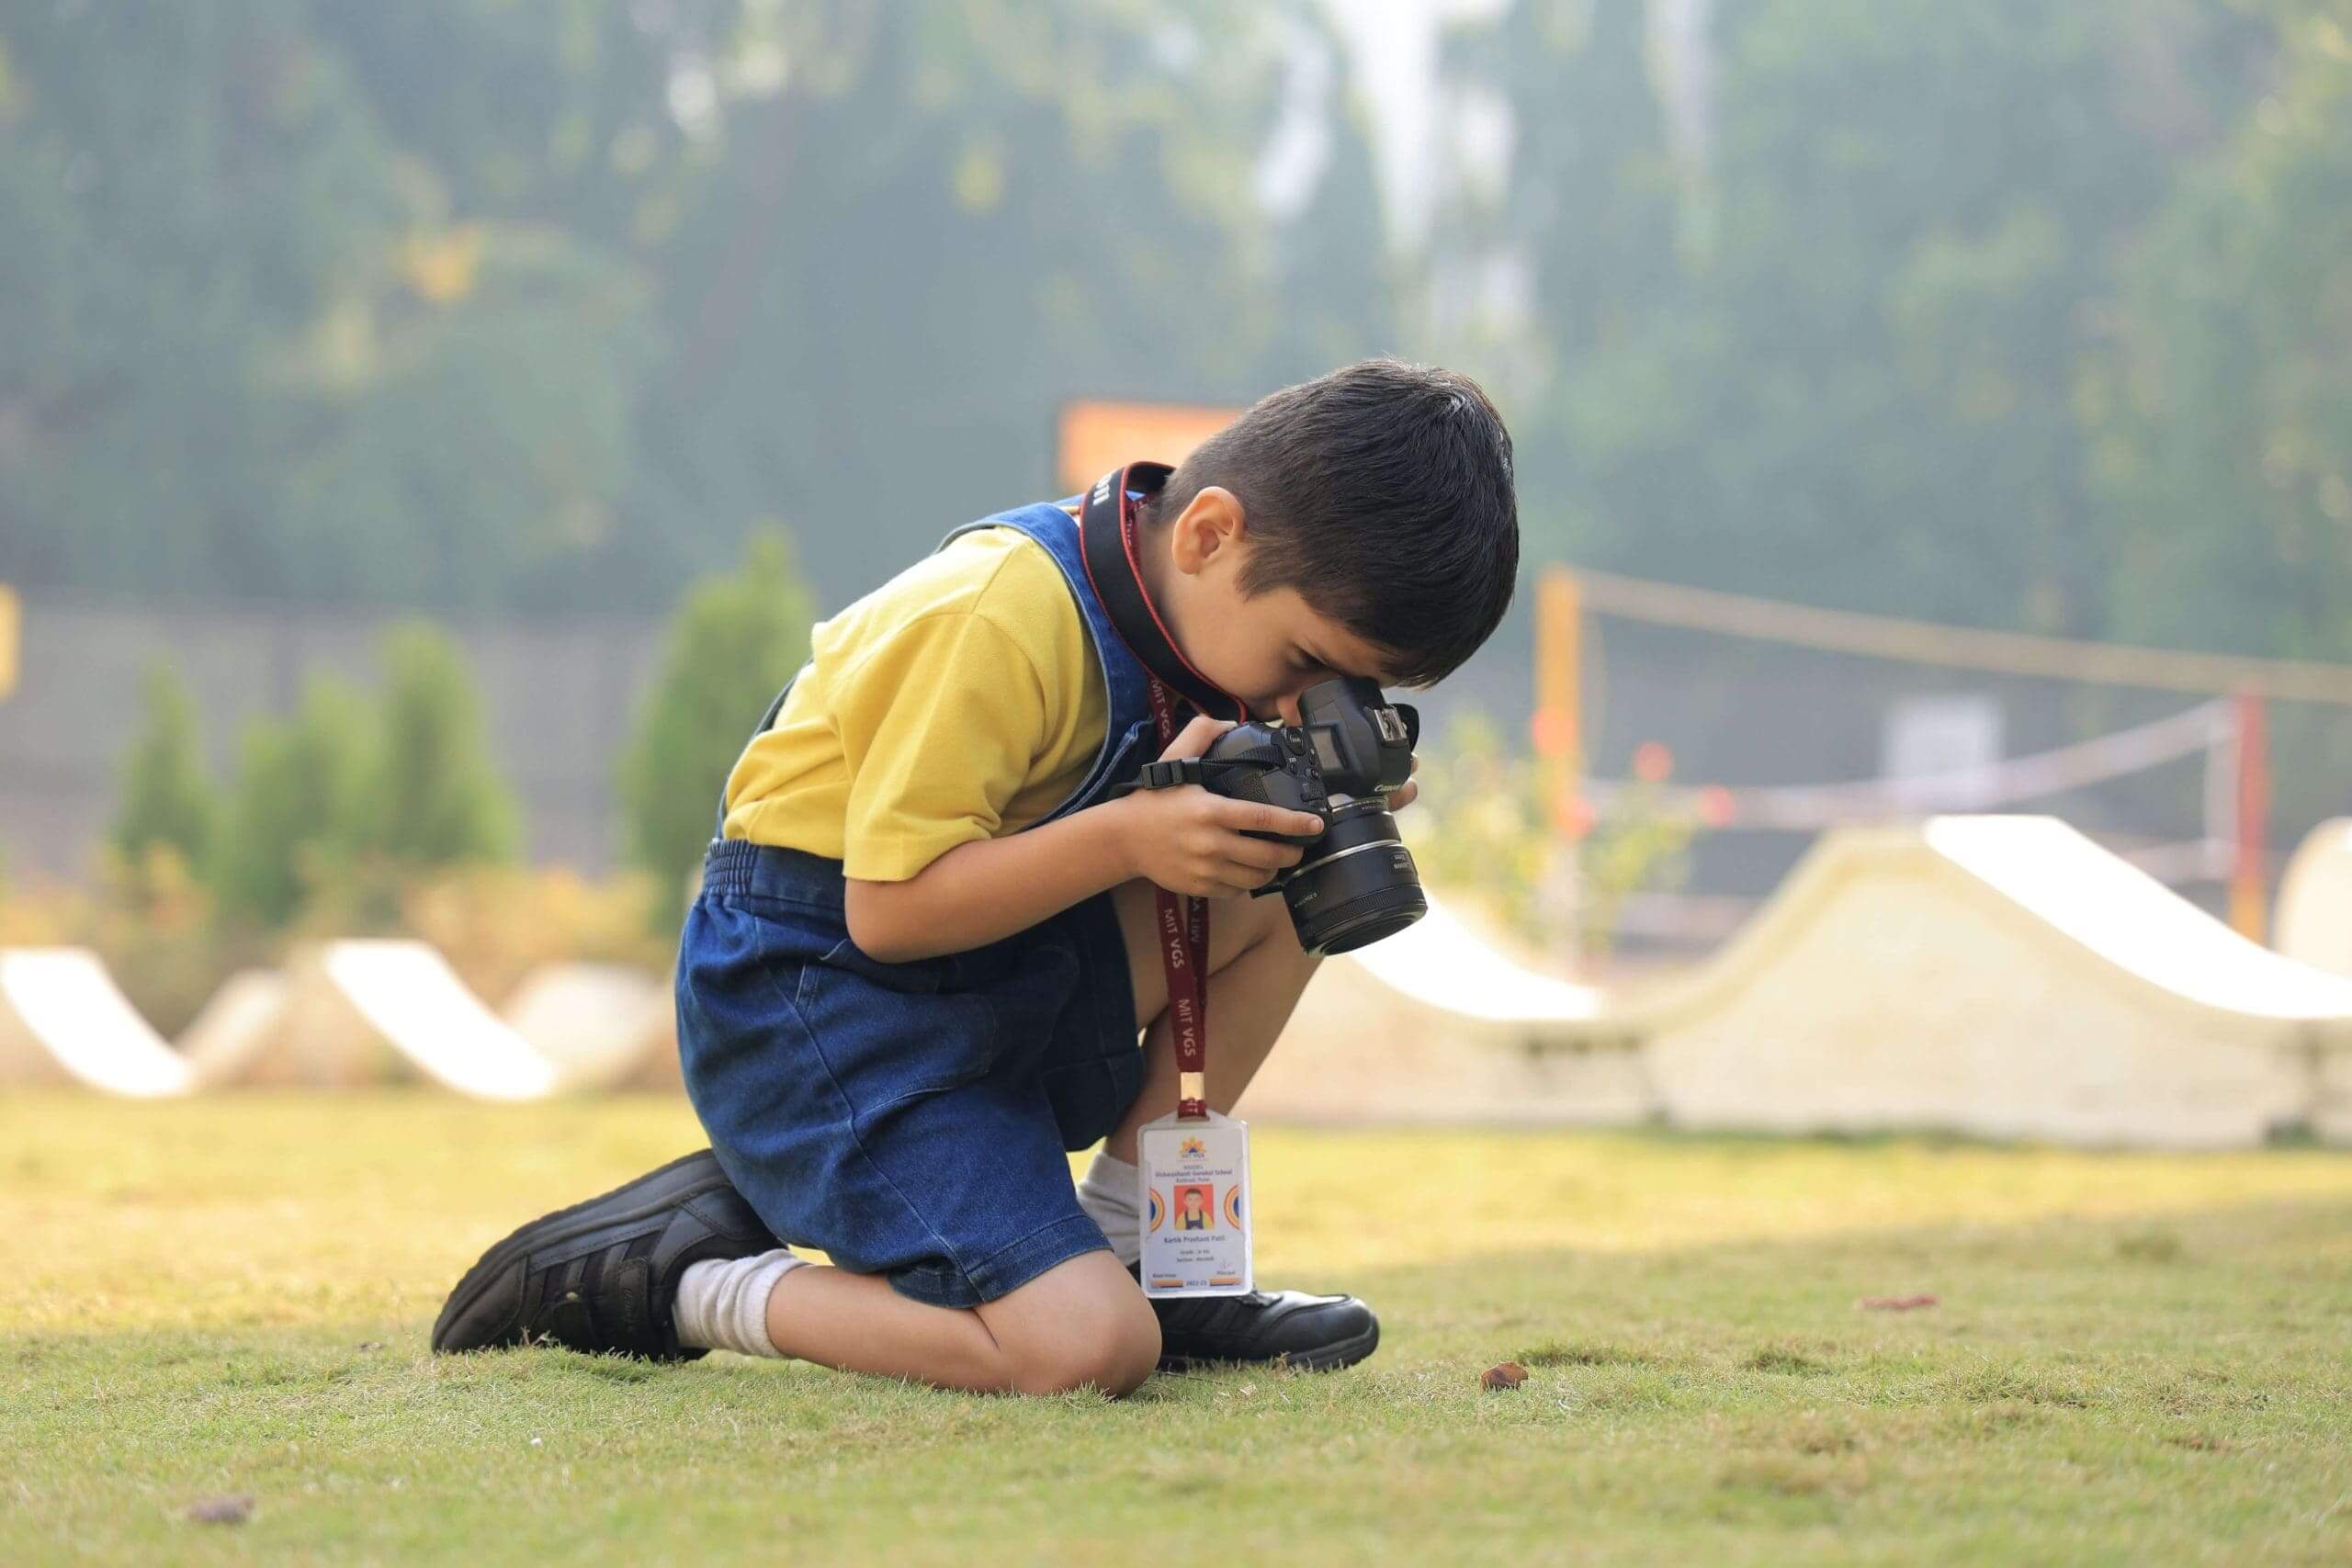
x=2224, y=408
x=732, y=645
x=296, y=806
x=163, y=795
x=175, y=184
x=927, y=228
x=1855, y=384
x=1592, y=201
x=337, y=383
x=1334, y=285
x=459, y=302
x=591, y=117
x=430, y=795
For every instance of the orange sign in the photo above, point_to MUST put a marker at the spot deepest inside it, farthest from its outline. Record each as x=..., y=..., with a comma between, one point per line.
x=1096, y=437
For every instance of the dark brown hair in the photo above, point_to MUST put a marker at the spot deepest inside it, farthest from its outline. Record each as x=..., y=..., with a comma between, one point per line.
x=1381, y=492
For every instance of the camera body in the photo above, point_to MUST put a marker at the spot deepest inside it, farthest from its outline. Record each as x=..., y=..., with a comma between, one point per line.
x=1351, y=749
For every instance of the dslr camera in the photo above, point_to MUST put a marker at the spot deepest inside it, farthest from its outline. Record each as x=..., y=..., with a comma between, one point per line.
x=1351, y=749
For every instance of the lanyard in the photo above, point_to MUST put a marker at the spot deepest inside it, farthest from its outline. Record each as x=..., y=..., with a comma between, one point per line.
x=1108, y=543
x=1183, y=952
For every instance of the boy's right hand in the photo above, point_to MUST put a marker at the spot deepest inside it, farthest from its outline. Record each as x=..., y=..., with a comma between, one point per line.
x=1188, y=839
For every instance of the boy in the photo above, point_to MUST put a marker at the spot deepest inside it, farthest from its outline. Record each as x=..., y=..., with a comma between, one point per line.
x=927, y=936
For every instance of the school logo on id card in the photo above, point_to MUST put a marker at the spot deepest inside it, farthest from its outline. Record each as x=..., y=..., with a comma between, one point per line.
x=1195, y=1206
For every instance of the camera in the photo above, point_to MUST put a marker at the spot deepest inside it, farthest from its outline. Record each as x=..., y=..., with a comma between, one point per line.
x=1351, y=748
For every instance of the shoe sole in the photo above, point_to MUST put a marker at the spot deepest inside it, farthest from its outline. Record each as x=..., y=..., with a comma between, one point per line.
x=1322, y=1358
x=665, y=1188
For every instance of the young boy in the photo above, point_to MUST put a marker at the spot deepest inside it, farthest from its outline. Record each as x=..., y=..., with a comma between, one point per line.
x=926, y=938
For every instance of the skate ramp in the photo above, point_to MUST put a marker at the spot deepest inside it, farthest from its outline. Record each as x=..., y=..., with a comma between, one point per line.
x=224, y=1041
x=1436, y=1025
x=600, y=1026
x=64, y=1020
x=374, y=1011
x=2002, y=976
x=2314, y=918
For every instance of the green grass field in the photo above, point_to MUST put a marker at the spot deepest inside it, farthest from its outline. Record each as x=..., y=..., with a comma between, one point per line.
x=2137, y=1359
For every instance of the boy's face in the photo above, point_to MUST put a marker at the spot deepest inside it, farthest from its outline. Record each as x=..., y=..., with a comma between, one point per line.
x=1266, y=650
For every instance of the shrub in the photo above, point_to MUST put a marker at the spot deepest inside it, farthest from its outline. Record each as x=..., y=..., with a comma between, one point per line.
x=293, y=815
x=163, y=795
x=430, y=796
x=733, y=642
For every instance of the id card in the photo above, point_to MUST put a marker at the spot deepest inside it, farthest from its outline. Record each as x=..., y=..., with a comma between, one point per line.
x=1195, y=1206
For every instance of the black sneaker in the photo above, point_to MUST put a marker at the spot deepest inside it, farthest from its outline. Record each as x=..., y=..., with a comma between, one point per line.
x=1315, y=1334
x=601, y=1276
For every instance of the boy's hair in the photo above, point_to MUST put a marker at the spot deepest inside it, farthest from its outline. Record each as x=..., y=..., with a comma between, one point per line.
x=1382, y=494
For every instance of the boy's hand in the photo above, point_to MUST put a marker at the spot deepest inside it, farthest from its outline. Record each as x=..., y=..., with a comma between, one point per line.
x=1410, y=791
x=1190, y=841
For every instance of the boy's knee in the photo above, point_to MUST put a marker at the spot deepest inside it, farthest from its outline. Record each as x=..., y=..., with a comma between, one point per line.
x=1113, y=1347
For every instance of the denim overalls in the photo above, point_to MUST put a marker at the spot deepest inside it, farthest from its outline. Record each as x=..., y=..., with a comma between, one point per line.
x=910, y=1119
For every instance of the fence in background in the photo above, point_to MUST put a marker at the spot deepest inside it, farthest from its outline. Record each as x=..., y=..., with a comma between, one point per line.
x=559, y=696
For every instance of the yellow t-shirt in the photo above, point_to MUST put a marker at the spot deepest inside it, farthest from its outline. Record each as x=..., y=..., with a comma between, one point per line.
x=963, y=699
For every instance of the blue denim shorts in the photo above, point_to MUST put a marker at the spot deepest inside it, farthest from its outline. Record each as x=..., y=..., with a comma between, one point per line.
x=910, y=1120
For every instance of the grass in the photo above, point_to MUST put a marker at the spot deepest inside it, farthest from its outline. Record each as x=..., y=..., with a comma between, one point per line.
x=2136, y=1359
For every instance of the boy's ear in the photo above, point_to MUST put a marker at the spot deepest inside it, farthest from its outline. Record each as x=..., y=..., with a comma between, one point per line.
x=1212, y=521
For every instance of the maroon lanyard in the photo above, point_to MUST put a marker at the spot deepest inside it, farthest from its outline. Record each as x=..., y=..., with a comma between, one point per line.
x=1183, y=949
x=1113, y=568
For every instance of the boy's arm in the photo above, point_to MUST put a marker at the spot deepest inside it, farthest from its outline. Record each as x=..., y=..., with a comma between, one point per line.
x=1187, y=840
x=984, y=890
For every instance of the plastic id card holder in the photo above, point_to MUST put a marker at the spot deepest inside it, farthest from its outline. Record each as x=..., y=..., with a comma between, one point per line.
x=1197, y=1212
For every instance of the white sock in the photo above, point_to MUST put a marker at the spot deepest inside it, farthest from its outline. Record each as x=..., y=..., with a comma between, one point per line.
x=723, y=1302
x=1112, y=1195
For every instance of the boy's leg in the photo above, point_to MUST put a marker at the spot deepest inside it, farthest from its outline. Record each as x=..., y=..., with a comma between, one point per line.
x=1080, y=1322
x=660, y=1267
x=1256, y=973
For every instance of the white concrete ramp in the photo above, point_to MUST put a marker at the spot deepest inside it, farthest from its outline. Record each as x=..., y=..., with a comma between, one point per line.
x=602, y=1026
x=64, y=1020
x=224, y=1041
x=363, y=1011
x=2314, y=918
x=343, y=1013
x=1436, y=1025
x=1997, y=975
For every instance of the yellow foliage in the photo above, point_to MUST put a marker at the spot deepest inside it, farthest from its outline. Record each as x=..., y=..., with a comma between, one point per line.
x=440, y=266
x=498, y=923
x=979, y=178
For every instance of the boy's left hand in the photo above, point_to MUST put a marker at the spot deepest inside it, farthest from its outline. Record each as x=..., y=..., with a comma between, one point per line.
x=1411, y=790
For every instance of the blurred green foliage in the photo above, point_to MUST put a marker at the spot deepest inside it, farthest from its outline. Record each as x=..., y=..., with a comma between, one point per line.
x=163, y=797
x=1481, y=833
x=732, y=643
x=430, y=794
x=348, y=801
x=2223, y=402
x=460, y=303
x=296, y=814
x=2007, y=313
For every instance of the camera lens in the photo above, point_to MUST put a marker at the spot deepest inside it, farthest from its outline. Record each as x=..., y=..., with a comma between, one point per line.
x=1357, y=883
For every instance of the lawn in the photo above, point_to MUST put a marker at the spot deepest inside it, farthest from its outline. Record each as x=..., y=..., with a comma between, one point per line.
x=2135, y=1359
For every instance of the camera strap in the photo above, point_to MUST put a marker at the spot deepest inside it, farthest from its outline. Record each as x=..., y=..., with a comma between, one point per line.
x=1108, y=543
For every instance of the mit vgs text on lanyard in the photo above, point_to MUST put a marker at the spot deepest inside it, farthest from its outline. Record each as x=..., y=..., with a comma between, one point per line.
x=1194, y=1163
